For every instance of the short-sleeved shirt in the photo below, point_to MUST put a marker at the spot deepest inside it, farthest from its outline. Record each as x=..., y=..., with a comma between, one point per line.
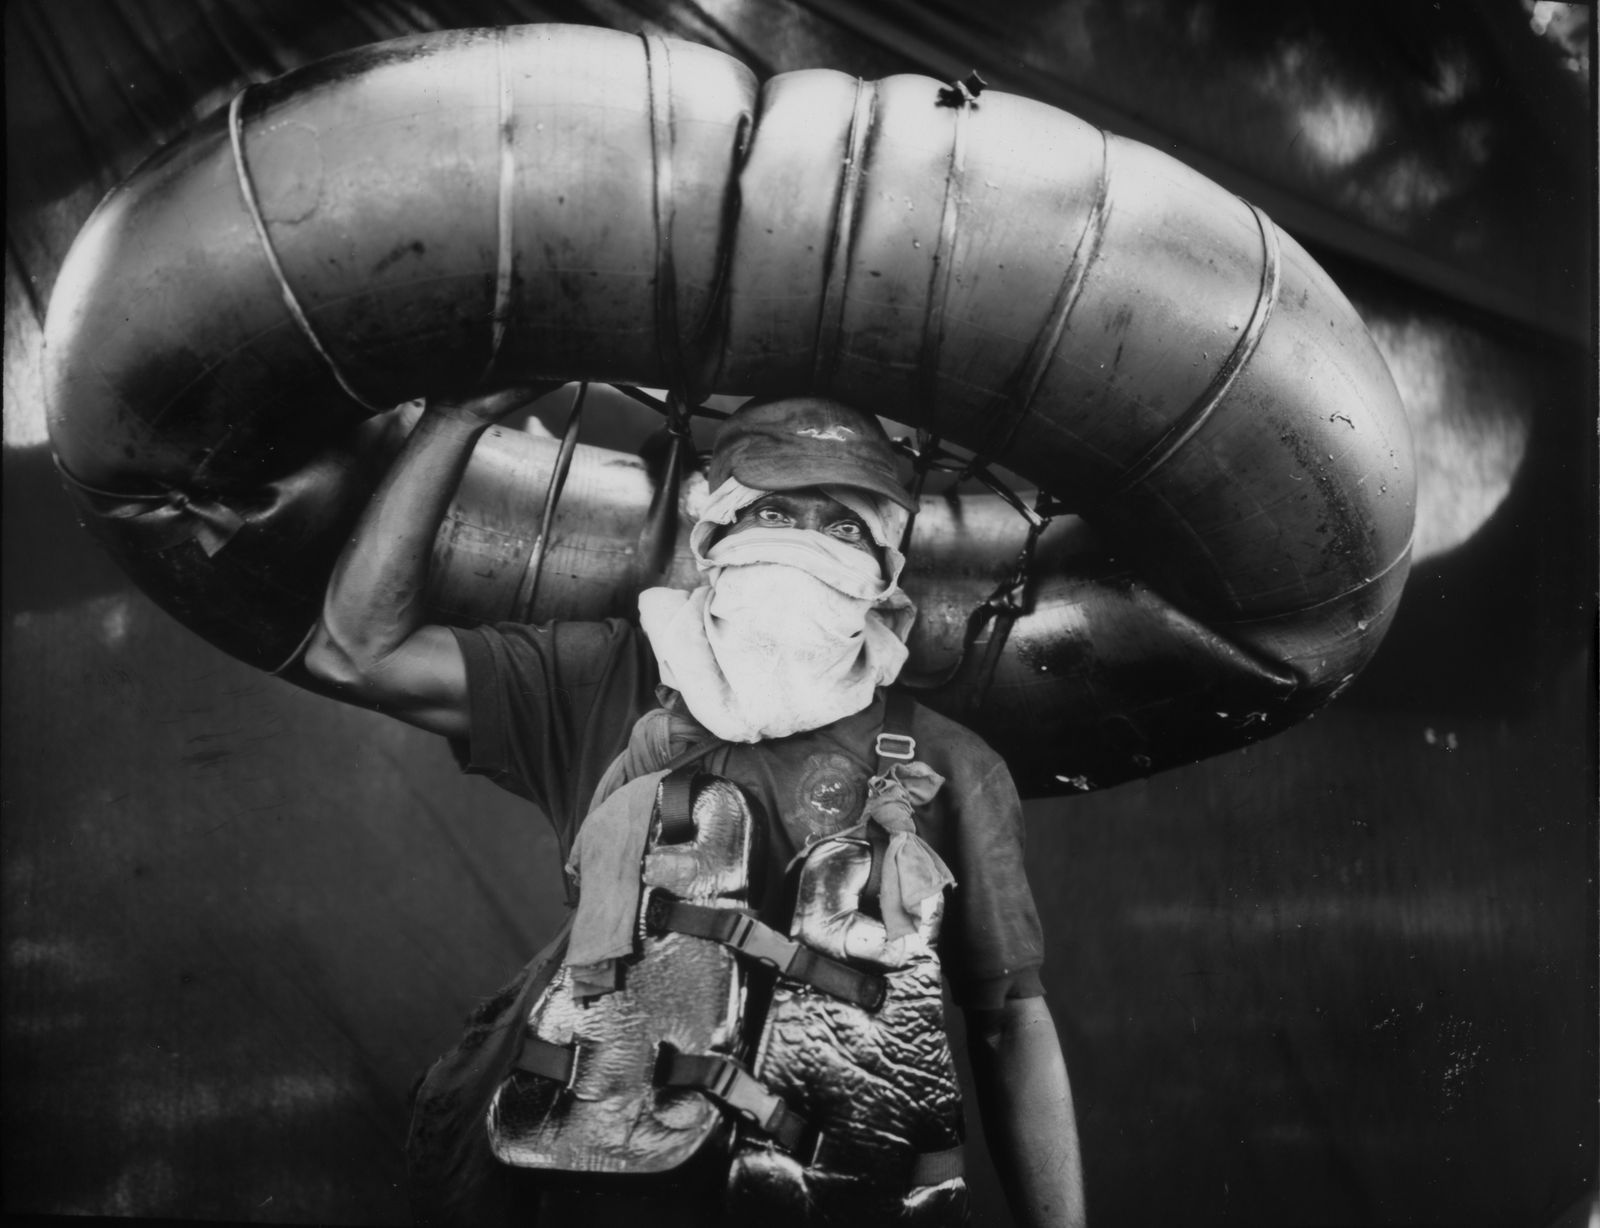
x=551, y=706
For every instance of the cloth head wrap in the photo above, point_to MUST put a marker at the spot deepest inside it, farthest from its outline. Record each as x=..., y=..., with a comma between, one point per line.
x=793, y=630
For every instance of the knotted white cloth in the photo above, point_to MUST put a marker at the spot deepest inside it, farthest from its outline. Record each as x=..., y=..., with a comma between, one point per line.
x=913, y=872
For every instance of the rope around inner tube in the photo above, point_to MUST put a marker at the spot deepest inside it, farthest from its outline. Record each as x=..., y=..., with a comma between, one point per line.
x=1012, y=598
x=1023, y=388
x=528, y=589
x=248, y=190
x=1188, y=425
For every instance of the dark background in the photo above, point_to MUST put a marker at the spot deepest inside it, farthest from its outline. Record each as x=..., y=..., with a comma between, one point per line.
x=1346, y=976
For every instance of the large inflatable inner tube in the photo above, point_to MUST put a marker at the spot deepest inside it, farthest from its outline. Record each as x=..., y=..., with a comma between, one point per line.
x=480, y=207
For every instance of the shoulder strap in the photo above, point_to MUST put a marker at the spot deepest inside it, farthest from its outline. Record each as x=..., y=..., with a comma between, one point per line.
x=674, y=805
x=893, y=745
x=675, y=801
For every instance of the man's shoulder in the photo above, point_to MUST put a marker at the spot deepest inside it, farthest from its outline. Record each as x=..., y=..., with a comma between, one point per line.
x=573, y=644
x=944, y=743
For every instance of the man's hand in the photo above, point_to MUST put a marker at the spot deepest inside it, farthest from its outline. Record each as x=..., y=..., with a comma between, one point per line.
x=374, y=645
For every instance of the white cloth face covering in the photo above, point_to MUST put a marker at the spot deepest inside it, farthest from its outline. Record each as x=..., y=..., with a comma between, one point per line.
x=793, y=630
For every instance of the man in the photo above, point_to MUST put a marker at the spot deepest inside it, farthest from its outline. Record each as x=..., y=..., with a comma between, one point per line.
x=781, y=659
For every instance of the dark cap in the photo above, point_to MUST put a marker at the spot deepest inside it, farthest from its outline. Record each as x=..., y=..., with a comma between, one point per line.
x=786, y=443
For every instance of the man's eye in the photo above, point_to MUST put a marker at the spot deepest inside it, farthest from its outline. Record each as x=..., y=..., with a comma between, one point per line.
x=770, y=515
x=849, y=530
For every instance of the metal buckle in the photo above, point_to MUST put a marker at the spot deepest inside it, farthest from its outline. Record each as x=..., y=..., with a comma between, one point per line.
x=906, y=746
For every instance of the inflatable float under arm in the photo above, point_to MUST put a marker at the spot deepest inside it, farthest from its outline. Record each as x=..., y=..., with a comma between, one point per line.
x=474, y=208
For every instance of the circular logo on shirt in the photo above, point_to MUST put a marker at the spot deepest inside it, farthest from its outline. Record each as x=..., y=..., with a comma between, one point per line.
x=830, y=793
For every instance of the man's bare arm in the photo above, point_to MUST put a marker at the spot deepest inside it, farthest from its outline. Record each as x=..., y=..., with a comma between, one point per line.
x=1026, y=1104
x=373, y=643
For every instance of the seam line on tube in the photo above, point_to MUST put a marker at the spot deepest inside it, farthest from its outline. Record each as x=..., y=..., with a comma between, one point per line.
x=1196, y=416
x=830, y=319
x=248, y=189
x=1366, y=583
x=1024, y=386
x=504, y=218
x=669, y=341
x=942, y=271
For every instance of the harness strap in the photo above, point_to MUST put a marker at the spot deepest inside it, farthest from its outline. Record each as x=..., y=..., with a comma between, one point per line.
x=675, y=806
x=894, y=745
x=738, y=1091
x=835, y=1153
x=760, y=942
x=547, y=1059
x=937, y=1167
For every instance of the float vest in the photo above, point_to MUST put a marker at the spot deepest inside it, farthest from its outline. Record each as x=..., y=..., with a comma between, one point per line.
x=827, y=1081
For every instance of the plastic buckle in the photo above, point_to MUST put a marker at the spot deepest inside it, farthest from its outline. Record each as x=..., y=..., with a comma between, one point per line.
x=746, y=1097
x=903, y=745
x=724, y=1074
x=743, y=924
x=762, y=943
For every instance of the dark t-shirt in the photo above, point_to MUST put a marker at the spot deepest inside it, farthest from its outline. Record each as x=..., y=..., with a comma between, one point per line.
x=551, y=706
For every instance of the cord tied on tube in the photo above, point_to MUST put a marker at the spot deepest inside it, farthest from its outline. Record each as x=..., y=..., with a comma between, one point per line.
x=1013, y=596
x=209, y=522
x=528, y=590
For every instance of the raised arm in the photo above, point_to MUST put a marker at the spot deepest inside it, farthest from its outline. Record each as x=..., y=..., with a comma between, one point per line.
x=373, y=643
x=1026, y=1105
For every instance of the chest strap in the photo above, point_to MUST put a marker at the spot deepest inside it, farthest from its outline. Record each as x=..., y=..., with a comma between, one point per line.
x=723, y=1079
x=548, y=1060
x=760, y=942
x=675, y=804
x=740, y=1093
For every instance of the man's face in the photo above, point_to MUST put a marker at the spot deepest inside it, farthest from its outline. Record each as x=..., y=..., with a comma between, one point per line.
x=808, y=508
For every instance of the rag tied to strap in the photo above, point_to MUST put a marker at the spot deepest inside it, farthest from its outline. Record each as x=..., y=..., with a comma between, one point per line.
x=912, y=871
x=608, y=855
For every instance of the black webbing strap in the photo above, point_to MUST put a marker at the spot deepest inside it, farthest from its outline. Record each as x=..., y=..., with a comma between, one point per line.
x=547, y=1059
x=894, y=745
x=878, y=838
x=757, y=941
x=742, y=1094
x=675, y=797
x=937, y=1167
x=675, y=806
x=891, y=1168
x=738, y=1091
